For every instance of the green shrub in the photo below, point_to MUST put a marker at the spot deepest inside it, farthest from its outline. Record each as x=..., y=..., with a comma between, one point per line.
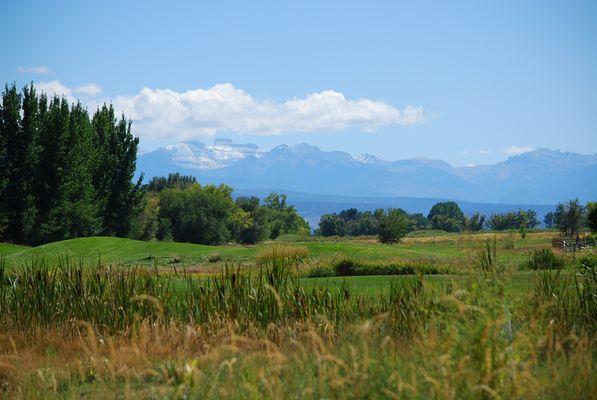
x=320, y=271
x=214, y=257
x=345, y=267
x=541, y=259
x=351, y=267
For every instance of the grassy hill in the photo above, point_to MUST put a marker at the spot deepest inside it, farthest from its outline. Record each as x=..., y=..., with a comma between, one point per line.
x=431, y=248
x=110, y=249
x=9, y=250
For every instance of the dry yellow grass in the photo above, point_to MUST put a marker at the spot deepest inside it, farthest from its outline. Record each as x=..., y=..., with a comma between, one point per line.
x=304, y=360
x=282, y=252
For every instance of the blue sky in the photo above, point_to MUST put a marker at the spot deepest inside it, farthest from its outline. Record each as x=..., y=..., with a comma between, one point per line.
x=467, y=82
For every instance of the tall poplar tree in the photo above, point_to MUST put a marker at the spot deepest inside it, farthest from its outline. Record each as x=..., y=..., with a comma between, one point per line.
x=115, y=162
x=20, y=155
x=54, y=140
x=62, y=174
x=75, y=212
x=10, y=125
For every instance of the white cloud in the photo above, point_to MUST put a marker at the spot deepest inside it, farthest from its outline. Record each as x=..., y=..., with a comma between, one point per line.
x=200, y=113
x=56, y=88
x=484, y=152
x=90, y=90
x=160, y=113
x=53, y=87
x=518, y=149
x=41, y=70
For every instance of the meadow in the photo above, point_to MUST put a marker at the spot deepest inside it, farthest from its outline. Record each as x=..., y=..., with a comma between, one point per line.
x=470, y=316
x=432, y=247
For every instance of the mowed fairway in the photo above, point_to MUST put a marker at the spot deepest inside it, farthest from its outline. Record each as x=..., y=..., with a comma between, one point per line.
x=9, y=250
x=453, y=250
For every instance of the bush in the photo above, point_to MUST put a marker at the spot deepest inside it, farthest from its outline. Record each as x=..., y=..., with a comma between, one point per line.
x=214, y=257
x=320, y=271
x=542, y=259
x=350, y=267
x=345, y=267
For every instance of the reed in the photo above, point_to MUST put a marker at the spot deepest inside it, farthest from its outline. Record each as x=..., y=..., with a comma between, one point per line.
x=115, y=331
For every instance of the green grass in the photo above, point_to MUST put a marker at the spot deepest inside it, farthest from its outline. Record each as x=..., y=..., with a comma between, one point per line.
x=126, y=251
x=9, y=250
x=123, y=331
x=444, y=249
x=368, y=285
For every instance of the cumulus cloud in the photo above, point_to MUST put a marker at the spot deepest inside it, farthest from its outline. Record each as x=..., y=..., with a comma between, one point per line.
x=160, y=113
x=40, y=70
x=518, y=149
x=200, y=113
x=90, y=90
x=56, y=88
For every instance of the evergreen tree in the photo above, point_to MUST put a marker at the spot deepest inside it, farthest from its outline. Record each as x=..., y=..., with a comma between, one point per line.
x=62, y=175
x=19, y=140
x=77, y=207
x=32, y=126
x=10, y=126
x=119, y=200
x=55, y=142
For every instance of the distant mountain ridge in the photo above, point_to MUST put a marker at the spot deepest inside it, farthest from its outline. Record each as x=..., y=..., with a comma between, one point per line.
x=542, y=176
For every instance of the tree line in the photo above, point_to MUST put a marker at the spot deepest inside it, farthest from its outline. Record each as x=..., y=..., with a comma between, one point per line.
x=568, y=217
x=64, y=173
x=571, y=216
x=178, y=208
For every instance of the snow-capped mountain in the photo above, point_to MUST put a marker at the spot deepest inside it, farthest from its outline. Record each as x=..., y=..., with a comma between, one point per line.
x=542, y=176
x=196, y=155
x=367, y=158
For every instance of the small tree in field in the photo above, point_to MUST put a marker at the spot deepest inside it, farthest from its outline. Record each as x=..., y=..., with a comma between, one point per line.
x=569, y=217
x=393, y=226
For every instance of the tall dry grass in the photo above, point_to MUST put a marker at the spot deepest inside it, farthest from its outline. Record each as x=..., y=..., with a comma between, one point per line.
x=111, y=332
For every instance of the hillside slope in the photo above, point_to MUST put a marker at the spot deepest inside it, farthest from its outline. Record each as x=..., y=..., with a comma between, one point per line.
x=116, y=250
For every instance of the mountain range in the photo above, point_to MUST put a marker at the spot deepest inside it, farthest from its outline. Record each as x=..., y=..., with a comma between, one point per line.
x=538, y=177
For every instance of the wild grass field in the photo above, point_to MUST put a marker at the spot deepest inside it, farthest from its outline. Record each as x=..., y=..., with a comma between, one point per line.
x=471, y=316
